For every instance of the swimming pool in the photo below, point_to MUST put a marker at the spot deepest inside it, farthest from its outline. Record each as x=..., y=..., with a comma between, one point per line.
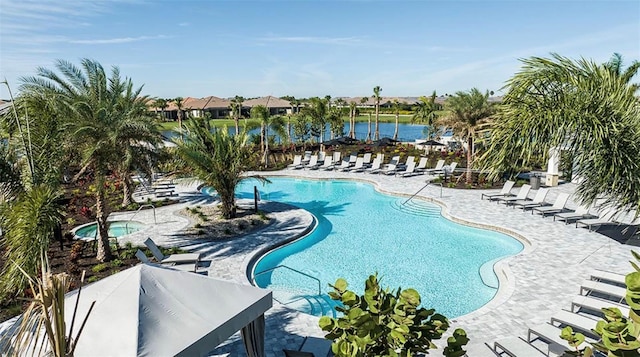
x=361, y=231
x=116, y=229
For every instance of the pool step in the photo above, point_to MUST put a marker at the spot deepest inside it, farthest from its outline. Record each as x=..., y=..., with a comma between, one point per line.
x=316, y=305
x=416, y=208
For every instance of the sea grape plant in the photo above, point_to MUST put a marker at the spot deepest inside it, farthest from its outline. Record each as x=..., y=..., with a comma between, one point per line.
x=618, y=334
x=386, y=323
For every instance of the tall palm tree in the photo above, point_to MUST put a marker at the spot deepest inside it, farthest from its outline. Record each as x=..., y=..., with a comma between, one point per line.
x=236, y=103
x=426, y=112
x=376, y=96
x=469, y=112
x=583, y=107
x=162, y=104
x=396, y=110
x=363, y=101
x=262, y=113
x=93, y=102
x=353, y=111
x=615, y=66
x=218, y=159
x=179, y=101
x=317, y=112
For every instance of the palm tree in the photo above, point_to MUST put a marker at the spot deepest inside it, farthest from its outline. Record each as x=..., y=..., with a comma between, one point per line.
x=396, y=109
x=236, y=104
x=587, y=109
x=615, y=66
x=178, y=102
x=218, y=159
x=364, y=100
x=162, y=104
x=93, y=102
x=262, y=113
x=353, y=111
x=376, y=96
x=426, y=112
x=317, y=111
x=469, y=112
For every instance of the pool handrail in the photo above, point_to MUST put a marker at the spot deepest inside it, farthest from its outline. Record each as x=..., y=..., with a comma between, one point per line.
x=155, y=221
x=422, y=188
x=255, y=275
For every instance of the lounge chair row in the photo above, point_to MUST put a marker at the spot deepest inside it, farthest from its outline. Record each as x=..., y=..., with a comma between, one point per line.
x=364, y=164
x=602, y=290
x=580, y=216
x=185, y=261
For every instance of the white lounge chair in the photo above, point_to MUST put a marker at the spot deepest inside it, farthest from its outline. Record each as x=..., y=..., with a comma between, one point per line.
x=406, y=163
x=389, y=170
x=515, y=347
x=582, y=212
x=612, y=292
x=409, y=171
x=595, y=305
x=537, y=201
x=321, y=156
x=313, y=163
x=173, y=258
x=577, y=322
x=593, y=222
x=505, y=191
x=558, y=206
x=307, y=157
x=352, y=159
x=336, y=156
x=343, y=165
x=422, y=165
x=328, y=163
x=551, y=335
x=521, y=196
x=182, y=267
x=359, y=166
x=608, y=277
x=375, y=167
x=438, y=168
x=380, y=156
x=297, y=162
x=394, y=161
x=366, y=160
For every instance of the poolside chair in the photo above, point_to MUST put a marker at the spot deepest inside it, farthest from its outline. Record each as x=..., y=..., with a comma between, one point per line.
x=521, y=196
x=577, y=322
x=551, y=335
x=336, y=156
x=582, y=212
x=406, y=163
x=594, y=306
x=375, y=167
x=608, y=277
x=321, y=156
x=352, y=159
x=389, y=170
x=344, y=164
x=307, y=157
x=366, y=159
x=604, y=290
x=313, y=163
x=516, y=347
x=558, y=206
x=380, y=156
x=173, y=258
x=537, y=201
x=409, y=171
x=297, y=162
x=449, y=170
x=359, y=166
x=394, y=161
x=328, y=163
x=439, y=166
x=422, y=165
x=505, y=191
x=182, y=267
x=591, y=222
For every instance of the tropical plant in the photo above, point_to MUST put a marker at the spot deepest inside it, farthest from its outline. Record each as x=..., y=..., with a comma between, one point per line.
x=93, y=103
x=585, y=108
x=42, y=327
x=386, y=323
x=162, y=104
x=426, y=111
x=179, y=101
x=353, y=112
x=262, y=113
x=396, y=110
x=218, y=159
x=615, y=66
x=28, y=223
x=469, y=113
x=301, y=127
x=317, y=112
x=236, y=109
x=336, y=122
x=376, y=96
x=363, y=101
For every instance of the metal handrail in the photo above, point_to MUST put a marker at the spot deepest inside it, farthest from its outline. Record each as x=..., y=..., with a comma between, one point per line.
x=155, y=221
x=253, y=280
x=420, y=190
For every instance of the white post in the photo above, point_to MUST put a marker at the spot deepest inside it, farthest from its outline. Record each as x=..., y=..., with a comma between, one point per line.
x=552, y=167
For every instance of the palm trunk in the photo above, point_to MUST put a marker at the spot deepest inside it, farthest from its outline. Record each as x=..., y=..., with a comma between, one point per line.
x=126, y=190
x=377, y=120
x=102, y=237
x=228, y=206
x=266, y=148
x=289, y=130
x=469, y=158
x=369, y=129
x=262, y=137
x=237, y=120
x=395, y=133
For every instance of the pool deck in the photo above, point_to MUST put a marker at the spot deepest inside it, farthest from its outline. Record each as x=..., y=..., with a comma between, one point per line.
x=534, y=284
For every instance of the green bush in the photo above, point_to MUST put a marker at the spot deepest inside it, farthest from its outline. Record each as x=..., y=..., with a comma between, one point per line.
x=100, y=267
x=116, y=263
x=93, y=279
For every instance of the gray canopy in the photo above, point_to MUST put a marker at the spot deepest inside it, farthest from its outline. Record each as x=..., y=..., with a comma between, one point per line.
x=154, y=311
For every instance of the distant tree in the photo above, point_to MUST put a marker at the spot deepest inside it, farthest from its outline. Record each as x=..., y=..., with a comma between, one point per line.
x=363, y=101
x=236, y=104
x=301, y=127
x=469, y=112
x=317, y=112
x=426, y=112
x=376, y=96
x=396, y=110
x=353, y=112
x=178, y=101
x=162, y=104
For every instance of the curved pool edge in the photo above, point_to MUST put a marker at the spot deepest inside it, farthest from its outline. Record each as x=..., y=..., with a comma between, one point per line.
x=506, y=279
x=75, y=229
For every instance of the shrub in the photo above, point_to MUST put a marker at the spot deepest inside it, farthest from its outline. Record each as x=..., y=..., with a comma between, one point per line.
x=116, y=263
x=99, y=267
x=76, y=251
x=263, y=216
x=92, y=279
x=227, y=231
x=386, y=323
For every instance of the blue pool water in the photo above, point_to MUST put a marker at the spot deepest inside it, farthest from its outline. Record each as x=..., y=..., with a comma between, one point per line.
x=116, y=229
x=361, y=231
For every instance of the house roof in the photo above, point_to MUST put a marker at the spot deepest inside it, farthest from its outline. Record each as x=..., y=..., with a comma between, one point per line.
x=268, y=101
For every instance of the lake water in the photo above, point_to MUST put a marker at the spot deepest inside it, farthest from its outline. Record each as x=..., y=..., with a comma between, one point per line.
x=406, y=132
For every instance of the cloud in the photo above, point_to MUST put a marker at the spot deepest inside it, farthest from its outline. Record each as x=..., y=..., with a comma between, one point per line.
x=118, y=40
x=184, y=24
x=314, y=40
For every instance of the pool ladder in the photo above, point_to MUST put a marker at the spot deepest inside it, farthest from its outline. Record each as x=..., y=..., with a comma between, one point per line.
x=253, y=280
x=420, y=190
x=155, y=221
